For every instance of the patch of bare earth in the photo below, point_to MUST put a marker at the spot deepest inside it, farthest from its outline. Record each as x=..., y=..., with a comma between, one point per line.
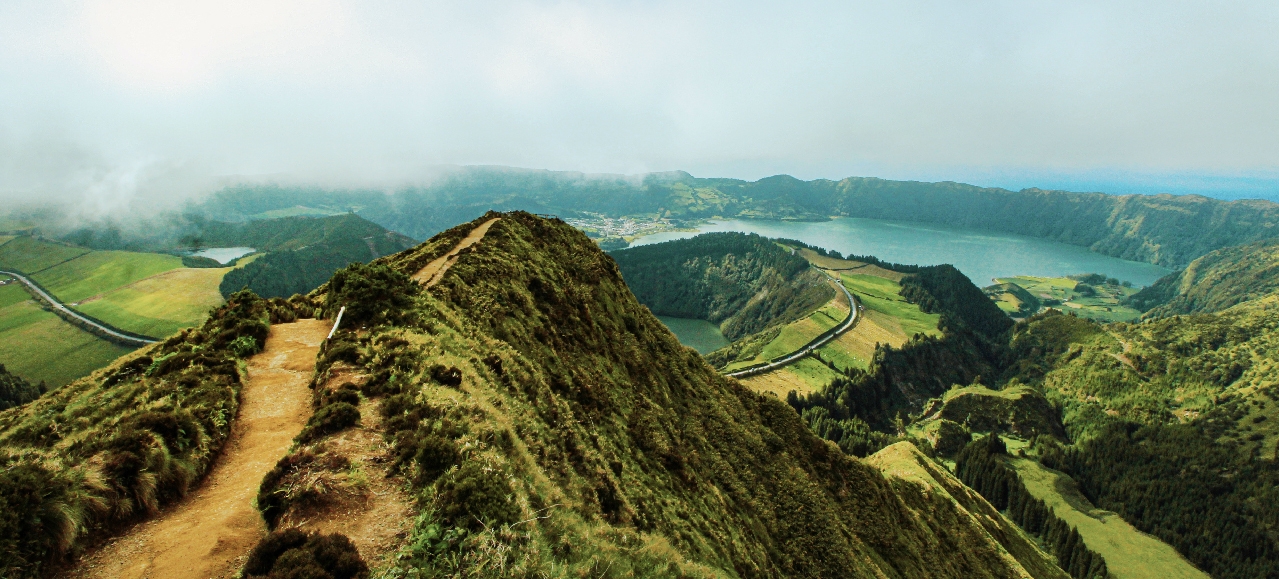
x=209, y=533
x=368, y=504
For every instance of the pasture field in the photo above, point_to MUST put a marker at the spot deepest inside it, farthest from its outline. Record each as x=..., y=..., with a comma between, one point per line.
x=880, y=295
x=38, y=345
x=1129, y=553
x=99, y=272
x=29, y=255
x=1060, y=293
x=161, y=304
x=804, y=377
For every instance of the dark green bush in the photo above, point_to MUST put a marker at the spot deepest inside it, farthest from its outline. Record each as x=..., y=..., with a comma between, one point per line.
x=348, y=393
x=476, y=497
x=245, y=346
x=449, y=376
x=372, y=294
x=329, y=419
x=33, y=529
x=435, y=455
x=293, y=554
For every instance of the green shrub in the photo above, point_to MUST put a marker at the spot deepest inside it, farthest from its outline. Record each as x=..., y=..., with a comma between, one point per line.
x=477, y=497
x=34, y=528
x=435, y=455
x=329, y=419
x=372, y=294
x=245, y=346
x=293, y=554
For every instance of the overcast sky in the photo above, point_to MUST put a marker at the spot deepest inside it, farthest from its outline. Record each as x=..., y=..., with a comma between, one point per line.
x=119, y=101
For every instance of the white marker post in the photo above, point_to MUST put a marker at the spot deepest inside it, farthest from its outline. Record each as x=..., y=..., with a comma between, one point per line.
x=336, y=322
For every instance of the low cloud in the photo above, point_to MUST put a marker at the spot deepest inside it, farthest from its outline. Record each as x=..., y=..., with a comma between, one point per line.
x=128, y=105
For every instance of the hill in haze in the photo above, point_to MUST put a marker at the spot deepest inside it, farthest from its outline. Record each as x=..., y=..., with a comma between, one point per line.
x=1214, y=282
x=301, y=252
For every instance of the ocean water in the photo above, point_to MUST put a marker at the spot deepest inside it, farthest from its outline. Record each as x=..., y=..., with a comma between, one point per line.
x=981, y=255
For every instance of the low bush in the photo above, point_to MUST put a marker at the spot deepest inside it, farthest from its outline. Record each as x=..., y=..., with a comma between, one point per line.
x=293, y=554
x=477, y=497
x=329, y=419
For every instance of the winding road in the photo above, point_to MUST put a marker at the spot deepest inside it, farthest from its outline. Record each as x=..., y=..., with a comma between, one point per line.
x=75, y=317
x=816, y=343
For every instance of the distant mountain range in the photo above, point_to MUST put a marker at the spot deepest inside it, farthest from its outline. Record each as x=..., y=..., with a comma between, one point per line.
x=1162, y=229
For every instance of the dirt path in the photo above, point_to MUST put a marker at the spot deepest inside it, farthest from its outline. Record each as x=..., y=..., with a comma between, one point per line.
x=434, y=271
x=209, y=533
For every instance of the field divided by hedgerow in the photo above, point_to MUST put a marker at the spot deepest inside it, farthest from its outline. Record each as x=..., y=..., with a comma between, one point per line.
x=98, y=272
x=29, y=255
x=38, y=345
x=162, y=304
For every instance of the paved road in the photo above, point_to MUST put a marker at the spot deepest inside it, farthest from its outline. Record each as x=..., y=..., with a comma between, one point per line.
x=817, y=342
x=64, y=312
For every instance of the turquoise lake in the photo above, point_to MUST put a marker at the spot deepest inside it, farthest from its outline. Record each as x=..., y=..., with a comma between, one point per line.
x=981, y=255
x=700, y=335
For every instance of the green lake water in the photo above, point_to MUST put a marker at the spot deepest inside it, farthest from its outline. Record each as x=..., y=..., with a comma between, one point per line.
x=700, y=335
x=981, y=255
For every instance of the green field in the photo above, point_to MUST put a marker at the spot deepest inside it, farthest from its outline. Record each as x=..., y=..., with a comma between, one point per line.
x=99, y=272
x=38, y=345
x=881, y=295
x=1129, y=553
x=29, y=255
x=1059, y=293
x=162, y=304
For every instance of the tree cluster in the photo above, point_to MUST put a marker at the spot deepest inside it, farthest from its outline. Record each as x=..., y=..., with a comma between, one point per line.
x=980, y=465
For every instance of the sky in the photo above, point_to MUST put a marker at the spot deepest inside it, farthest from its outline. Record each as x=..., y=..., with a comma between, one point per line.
x=128, y=104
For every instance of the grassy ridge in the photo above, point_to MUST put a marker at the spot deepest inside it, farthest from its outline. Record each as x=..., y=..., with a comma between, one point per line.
x=555, y=392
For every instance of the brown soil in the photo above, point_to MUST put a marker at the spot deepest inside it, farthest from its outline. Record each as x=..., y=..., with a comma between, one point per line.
x=434, y=271
x=210, y=532
x=375, y=513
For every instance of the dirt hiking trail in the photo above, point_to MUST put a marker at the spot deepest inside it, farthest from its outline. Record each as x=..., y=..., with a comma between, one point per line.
x=208, y=533
x=434, y=271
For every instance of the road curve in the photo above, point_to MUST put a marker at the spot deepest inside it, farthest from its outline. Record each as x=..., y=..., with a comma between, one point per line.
x=816, y=343
x=76, y=318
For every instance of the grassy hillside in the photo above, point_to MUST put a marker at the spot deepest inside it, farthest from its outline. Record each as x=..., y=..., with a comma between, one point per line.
x=162, y=304
x=1174, y=423
x=1162, y=229
x=744, y=283
x=1214, y=282
x=112, y=448
x=302, y=252
x=99, y=272
x=552, y=425
x=29, y=255
x=1129, y=553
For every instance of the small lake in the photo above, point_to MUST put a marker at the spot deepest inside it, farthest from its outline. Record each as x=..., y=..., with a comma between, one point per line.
x=224, y=255
x=700, y=335
x=981, y=255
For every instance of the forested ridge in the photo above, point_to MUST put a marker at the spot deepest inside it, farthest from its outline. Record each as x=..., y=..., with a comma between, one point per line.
x=743, y=283
x=14, y=391
x=1214, y=282
x=1166, y=230
x=302, y=252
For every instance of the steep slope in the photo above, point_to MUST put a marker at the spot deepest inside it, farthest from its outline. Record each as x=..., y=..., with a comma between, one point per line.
x=551, y=424
x=1214, y=282
x=744, y=283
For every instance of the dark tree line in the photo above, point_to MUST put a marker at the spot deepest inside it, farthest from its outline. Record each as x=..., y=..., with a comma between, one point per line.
x=980, y=465
x=1179, y=484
